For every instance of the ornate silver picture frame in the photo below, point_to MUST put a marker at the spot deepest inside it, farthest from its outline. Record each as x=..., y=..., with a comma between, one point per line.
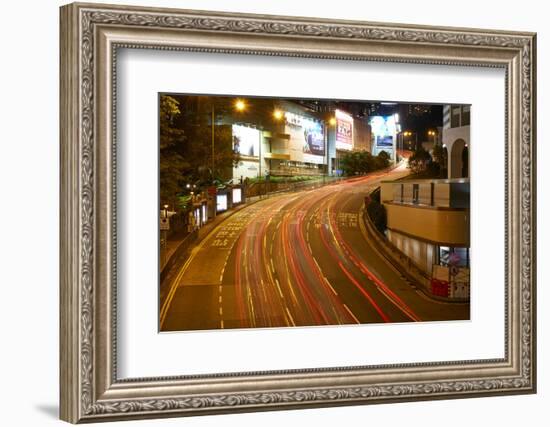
x=91, y=390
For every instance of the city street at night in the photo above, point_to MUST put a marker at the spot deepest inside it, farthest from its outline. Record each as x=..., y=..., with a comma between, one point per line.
x=296, y=259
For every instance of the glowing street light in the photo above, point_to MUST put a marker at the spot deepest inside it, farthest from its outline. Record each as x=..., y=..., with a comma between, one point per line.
x=278, y=114
x=432, y=133
x=332, y=121
x=409, y=133
x=240, y=105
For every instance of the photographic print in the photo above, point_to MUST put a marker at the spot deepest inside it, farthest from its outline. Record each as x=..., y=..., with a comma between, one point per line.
x=308, y=212
x=194, y=205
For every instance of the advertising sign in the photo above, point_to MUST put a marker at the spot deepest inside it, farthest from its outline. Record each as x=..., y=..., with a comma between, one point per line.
x=237, y=195
x=221, y=202
x=344, y=131
x=307, y=138
x=246, y=141
x=383, y=130
x=384, y=141
x=197, y=213
x=204, y=213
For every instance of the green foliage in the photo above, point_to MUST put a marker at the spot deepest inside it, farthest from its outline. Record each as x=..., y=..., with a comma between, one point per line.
x=419, y=160
x=186, y=145
x=285, y=179
x=382, y=160
x=384, y=156
x=171, y=161
x=377, y=214
x=362, y=162
x=433, y=170
x=184, y=202
x=439, y=154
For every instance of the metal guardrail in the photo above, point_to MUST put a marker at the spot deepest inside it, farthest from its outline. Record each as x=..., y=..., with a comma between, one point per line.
x=287, y=187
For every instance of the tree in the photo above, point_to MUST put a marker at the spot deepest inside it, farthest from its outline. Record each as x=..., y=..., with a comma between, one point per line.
x=363, y=162
x=171, y=161
x=419, y=160
x=196, y=122
x=382, y=160
x=439, y=154
x=377, y=213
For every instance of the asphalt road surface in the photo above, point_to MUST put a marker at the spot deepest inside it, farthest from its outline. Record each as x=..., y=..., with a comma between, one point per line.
x=296, y=259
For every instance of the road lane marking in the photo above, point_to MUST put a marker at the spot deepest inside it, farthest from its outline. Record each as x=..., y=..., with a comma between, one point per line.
x=290, y=316
x=279, y=288
x=194, y=252
x=330, y=286
x=351, y=314
x=363, y=229
x=238, y=221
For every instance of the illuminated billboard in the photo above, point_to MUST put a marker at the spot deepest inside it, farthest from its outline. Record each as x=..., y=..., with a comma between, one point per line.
x=344, y=131
x=246, y=141
x=237, y=196
x=307, y=138
x=383, y=131
x=221, y=202
x=384, y=141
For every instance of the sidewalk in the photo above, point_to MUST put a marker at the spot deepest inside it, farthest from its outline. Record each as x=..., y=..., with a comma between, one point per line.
x=175, y=242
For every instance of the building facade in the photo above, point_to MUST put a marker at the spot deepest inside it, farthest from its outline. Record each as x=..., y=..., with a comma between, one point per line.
x=456, y=139
x=429, y=222
x=291, y=139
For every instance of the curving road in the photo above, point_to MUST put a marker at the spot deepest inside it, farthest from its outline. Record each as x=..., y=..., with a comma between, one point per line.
x=296, y=259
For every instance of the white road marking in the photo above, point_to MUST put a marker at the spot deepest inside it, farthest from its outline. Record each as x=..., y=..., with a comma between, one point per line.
x=290, y=317
x=351, y=314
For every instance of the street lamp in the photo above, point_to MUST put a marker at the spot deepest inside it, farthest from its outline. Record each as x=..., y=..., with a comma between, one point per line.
x=409, y=133
x=432, y=133
x=240, y=105
x=332, y=122
x=277, y=114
